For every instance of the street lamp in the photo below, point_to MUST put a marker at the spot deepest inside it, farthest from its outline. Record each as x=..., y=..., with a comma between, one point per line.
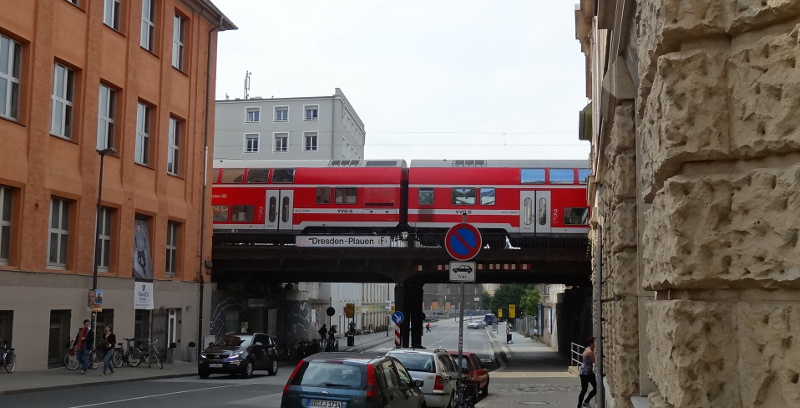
x=103, y=153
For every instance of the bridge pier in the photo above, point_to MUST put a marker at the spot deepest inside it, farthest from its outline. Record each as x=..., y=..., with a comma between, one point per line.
x=408, y=298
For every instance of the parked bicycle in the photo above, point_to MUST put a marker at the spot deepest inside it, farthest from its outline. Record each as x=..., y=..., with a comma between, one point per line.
x=9, y=360
x=148, y=352
x=132, y=354
x=118, y=358
x=71, y=359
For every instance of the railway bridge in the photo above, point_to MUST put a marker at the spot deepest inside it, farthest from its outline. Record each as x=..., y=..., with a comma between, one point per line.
x=259, y=261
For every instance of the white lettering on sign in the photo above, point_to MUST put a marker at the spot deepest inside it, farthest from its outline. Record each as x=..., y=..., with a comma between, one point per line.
x=364, y=241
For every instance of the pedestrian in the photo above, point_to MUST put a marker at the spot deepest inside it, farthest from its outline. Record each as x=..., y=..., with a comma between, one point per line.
x=331, y=346
x=587, y=374
x=322, y=332
x=83, y=345
x=428, y=327
x=110, y=341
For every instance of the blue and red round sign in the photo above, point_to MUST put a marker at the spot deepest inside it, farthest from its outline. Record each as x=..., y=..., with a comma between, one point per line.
x=463, y=241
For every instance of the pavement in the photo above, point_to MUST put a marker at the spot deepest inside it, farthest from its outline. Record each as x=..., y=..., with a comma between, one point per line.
x=528, y=373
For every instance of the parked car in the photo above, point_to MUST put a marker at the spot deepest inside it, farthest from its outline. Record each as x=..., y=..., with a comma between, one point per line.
x=477, y=376
x=351, y=380
x=437, y=371
x=239, y=354
x=476, y=324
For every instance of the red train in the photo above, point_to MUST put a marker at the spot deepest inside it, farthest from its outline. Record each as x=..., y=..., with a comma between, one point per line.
x=502, y=198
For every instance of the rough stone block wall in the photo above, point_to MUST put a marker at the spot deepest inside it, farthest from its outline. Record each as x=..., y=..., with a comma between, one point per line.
x=719, y=134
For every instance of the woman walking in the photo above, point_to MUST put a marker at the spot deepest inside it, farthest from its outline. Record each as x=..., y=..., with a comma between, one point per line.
x=110, y=341
x=587, y=374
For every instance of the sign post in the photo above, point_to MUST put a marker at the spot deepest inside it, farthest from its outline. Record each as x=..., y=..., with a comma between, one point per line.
x=397, y=318
x=463, y=242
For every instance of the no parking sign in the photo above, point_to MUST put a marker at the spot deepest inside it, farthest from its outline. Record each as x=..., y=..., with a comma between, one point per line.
x=463, y=241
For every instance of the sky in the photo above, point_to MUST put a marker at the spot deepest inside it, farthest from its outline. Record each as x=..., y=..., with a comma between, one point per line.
x=430, y=79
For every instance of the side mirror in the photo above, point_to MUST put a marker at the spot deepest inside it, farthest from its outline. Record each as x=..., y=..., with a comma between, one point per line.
x=465, y=370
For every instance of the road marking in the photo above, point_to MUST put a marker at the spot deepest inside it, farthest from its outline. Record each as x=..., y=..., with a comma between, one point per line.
x=157, y=395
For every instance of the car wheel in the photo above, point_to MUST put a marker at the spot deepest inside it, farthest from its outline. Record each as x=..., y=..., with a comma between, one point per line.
x=273, y=367
x=248, y=369
x=485, y=390
x=203, y=373
x=450, y=403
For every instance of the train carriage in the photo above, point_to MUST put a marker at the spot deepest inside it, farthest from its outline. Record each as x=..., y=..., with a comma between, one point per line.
x=292, y=197
x=502, y=198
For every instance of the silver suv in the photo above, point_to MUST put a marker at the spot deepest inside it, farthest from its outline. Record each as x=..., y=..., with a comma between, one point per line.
x=437, y=371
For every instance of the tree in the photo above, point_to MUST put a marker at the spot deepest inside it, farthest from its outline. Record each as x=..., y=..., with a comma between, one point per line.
x=508, y=294
x=486, y=301
x=530, y=301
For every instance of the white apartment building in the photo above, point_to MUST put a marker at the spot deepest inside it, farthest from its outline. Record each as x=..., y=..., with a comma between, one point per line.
x=300, y=128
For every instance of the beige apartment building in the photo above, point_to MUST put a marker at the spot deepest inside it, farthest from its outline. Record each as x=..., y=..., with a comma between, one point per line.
x=105, y=110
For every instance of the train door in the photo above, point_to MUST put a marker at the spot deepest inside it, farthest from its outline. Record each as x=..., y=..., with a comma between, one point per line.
x=534, y=212
x=280, y=206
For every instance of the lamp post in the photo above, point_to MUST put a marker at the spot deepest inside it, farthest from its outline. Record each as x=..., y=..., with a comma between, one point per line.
x=103, y=153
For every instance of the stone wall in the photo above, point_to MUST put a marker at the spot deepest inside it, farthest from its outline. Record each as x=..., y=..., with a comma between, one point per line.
x=717, y=127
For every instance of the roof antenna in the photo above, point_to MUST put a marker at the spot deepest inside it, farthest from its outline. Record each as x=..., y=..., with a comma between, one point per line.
x=246, y=84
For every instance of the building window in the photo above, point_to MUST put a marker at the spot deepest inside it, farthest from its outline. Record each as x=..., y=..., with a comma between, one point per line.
x=310, y=140
x=281, y=113
x=147, y=40
x=10, y=67
x=102, y=249
x=106, y=114
x=142, y=153
x=59, y=233
x=173, y=151
x=63, y=97
x=172, y=248
x=178, y=41
x=281, y=142
x=312, y=112
x=251, y=143
x=253, y=115
x=6, y=201
x=111, y=10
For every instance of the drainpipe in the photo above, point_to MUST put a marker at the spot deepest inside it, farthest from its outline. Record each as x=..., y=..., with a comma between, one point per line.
x=598, y=317
x=203, y=210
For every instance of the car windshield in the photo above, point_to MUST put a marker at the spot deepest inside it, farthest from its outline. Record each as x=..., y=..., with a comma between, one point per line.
x=324, y=374
x=416, y=362
x=232, y=340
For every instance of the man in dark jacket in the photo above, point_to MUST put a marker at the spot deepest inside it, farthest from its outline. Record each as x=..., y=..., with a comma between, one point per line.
x=83, y=345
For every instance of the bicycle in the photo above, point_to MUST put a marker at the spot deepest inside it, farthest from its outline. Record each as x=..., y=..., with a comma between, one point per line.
x=9, y=360
x=71, y=359
x=151, y=352
x=118, y=358
x=132, y=355
x=463, y=399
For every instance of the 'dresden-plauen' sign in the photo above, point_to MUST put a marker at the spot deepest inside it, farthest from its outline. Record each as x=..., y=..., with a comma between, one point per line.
x=344, y=241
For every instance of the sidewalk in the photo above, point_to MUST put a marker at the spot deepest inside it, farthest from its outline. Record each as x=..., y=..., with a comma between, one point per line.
x=57, y=378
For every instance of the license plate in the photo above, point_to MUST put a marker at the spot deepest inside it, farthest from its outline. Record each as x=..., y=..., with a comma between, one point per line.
x=315, y=403
x=215, y=365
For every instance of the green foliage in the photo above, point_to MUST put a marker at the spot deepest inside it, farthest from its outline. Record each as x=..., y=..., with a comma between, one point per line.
x=486, y=301
x=530, y=301
x=510, y=294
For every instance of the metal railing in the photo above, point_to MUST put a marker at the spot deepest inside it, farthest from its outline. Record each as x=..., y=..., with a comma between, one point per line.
x=576, y=354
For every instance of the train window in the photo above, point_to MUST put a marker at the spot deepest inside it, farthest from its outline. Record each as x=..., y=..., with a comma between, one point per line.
x=323, y=195
x=583, y=175
x=532, y=176
x=257, y=175
x=562, y=176
x=345, y=195
x=230, y=176
x=220, y=213
x=576, y=216
x=487, y=196
x=528, y=211
x=283, y=176
x=425, y=196
x=541, y=212
x=463, y=195
x=285, y=205
x=242, y=213
x=273, y=209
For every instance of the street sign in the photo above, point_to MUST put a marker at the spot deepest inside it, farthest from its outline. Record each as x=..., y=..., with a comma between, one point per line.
x=463, y=241
x=512, y=311
x=462, y=271
x=397, y=317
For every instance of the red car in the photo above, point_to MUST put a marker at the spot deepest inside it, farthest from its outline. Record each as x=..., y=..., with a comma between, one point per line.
x=476, y=375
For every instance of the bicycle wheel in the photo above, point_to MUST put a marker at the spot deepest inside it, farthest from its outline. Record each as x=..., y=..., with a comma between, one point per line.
x=11, y=361
x=116, y=359
x=158, y=361
x=71, y=362
x=94, y=361
x=134, y=358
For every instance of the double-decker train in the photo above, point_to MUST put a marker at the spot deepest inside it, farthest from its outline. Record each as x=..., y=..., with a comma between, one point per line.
x=510, y=199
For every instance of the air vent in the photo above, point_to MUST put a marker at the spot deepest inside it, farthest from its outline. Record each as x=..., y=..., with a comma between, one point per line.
x=469, y=163
x=344, y=163
x=381, y=163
